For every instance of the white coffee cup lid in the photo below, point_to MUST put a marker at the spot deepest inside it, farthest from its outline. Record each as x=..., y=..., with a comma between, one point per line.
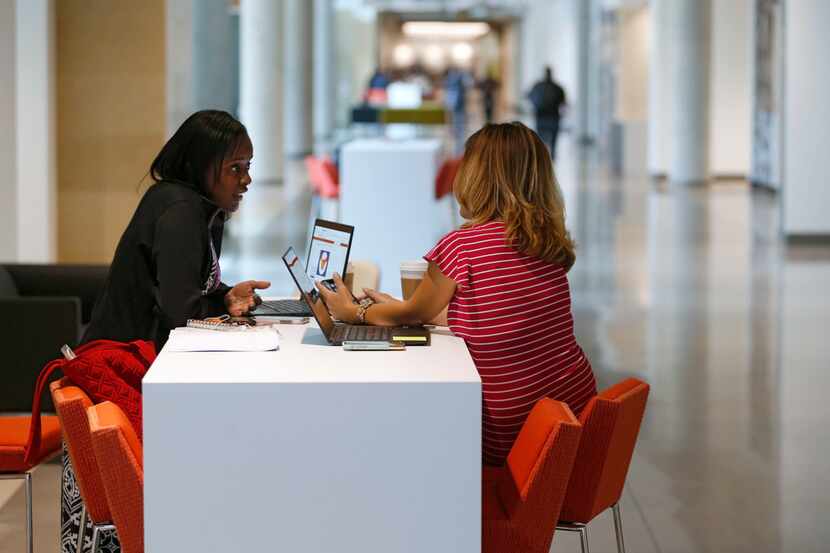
x=415, y=265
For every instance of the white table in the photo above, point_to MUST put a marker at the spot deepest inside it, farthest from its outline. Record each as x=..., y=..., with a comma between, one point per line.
x=387, y=190
x=313, y=449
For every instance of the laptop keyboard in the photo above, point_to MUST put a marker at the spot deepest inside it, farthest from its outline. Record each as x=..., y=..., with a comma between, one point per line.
x=362, y=333
x=283, y=307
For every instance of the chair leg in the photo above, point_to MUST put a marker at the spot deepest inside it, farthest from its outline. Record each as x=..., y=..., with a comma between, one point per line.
x=29, y=530
x=576, y=527
x=95, y=535
x=583, y=539
x=81, y=529
x=618, y=530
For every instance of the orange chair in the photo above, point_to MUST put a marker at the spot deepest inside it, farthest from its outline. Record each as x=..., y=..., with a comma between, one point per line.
x=15, y=449
x=610, y=425
x=121, y=452
x=521, y=501
x=71, y=404
x=446, y=176
x=325, y=186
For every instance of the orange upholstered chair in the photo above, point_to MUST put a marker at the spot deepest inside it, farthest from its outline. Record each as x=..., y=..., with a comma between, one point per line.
x=71, y=404
x=15, y=446
x=122, y=471
x=446, y=176
x=521, y=500
x=610, y=425
x=325, y=187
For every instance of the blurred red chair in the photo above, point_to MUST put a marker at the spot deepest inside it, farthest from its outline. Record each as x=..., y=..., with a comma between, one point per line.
x=446, y=176
x=325, y=186
x=521, y=501
x=610, y=425
x=18, y=458
x=71, y=404
x=122, y=473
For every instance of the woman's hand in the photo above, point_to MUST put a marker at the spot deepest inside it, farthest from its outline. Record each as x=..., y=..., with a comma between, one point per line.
x=378, y=297
x=241, y=298
x=341, y=305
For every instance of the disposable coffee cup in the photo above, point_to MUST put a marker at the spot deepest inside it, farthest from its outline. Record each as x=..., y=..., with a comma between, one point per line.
x=412, y=273
x=348, y=278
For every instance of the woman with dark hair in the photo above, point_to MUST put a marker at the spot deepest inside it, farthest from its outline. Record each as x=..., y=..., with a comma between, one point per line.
x=166, y=266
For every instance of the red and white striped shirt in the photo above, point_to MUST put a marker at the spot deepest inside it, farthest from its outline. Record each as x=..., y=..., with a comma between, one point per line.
x=514, y=313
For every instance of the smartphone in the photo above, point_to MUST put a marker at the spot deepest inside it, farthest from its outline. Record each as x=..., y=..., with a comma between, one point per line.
x=373, y=346
x=329, y=283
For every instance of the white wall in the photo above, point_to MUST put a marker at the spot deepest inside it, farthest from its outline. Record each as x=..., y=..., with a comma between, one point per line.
x=28, y=216
x=550, y=36
x=731, y=88
x=806, y=183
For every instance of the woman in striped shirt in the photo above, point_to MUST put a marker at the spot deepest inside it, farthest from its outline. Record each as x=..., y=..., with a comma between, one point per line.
x=502, y=279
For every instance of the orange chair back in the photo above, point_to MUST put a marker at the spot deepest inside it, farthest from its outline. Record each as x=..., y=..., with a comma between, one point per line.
x=446, y=177
x=115, y=440
x=322, y=174
x=71, y=404
x=611, y=422
x=538, y=467
x=314, y=176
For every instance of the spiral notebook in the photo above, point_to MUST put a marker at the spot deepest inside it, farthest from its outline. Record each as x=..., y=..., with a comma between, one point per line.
x=265, y=338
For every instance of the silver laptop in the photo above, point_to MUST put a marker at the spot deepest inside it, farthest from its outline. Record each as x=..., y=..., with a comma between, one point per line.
x=337, y=333
x=328, y=253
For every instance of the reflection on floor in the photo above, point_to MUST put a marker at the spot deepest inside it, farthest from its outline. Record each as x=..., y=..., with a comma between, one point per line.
x=689, y=289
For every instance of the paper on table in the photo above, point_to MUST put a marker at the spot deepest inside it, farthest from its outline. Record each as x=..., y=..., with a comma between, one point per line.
x=246, y=339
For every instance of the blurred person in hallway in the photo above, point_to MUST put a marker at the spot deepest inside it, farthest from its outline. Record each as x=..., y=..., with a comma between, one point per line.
x=488, y=86
x=500, y=283
x=166, y=266
x=548, y=99
x=456, y=84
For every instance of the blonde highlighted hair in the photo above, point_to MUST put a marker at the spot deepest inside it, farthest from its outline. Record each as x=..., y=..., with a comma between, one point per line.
x=506, y=175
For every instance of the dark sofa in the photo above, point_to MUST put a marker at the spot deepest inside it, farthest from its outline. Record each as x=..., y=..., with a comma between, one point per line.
x=42, y=307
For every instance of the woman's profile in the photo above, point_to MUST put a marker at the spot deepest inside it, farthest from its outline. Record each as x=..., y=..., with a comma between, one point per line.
x=166, y=265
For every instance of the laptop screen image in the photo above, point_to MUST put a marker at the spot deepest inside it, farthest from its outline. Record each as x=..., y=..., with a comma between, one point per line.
x=308, y=291
x=328, y=252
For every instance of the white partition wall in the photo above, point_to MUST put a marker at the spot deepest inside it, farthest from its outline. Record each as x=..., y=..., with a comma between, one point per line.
x=806, y=183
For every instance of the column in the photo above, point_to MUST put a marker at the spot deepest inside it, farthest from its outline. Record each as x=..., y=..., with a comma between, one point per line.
x=689, y=57
x=583, y=70
x=297, y=81
x=260, y=84
x=325, y=70
x=659, y=88
x=178, y=63
x=28, y=213
x=214, y=56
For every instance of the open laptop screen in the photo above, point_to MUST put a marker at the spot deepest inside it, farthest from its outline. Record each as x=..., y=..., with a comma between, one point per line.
x=328, y=252
x=308, y=291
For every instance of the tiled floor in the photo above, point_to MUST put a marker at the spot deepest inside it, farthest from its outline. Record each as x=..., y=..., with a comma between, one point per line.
x=690, y=289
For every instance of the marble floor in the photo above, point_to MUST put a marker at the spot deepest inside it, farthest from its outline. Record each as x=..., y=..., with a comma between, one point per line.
x=690, y=289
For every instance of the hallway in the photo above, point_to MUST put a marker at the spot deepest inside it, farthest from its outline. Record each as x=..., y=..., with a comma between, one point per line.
x=690, y=289
x=694, y=291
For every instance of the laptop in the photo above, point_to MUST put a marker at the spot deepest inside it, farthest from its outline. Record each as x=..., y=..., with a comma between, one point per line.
x=337, y=333
x=328, y=253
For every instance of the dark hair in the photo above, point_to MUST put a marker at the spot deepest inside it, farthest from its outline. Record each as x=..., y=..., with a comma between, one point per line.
x=201, y=143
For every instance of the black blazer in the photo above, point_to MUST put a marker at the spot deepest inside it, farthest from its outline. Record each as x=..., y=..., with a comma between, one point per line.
x=161, y=267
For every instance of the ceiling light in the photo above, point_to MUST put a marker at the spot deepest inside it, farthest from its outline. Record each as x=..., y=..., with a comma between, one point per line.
x=445, y=29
